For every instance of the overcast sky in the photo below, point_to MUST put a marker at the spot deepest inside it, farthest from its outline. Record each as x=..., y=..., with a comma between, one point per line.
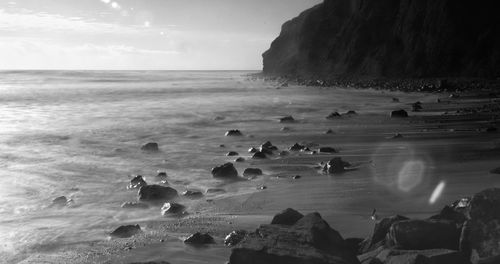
x=141, y=34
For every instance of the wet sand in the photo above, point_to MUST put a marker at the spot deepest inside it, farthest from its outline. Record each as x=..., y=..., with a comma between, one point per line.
x=452, y=148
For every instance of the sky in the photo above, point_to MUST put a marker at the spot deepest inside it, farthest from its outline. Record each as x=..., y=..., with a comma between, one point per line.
x=141, y=34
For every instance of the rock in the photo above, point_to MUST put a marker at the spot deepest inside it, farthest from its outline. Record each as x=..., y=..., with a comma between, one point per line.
x=234, y=132
x=137, y=182
x=252, y=150
x=252, y=172
x=150, y=147
x=60, y=201
x=263, y=187
x=333, y=115
x=430, y=256
x=162, y=174
x=297, y=147
x=199, y=239
x=287, y=119
x=329, y=131
x=134, y=205
x=309, y=240
x=327, y=150
x=268, y=145
x=172, y=209
x=395, y=100
x=353, y=244
x=480, y=236
x=193, y=194
x=215, y=190
x=350, y=112
x=380, y=231
x=424, y=234
x=399, y=114
x=259, y=155
x=239, y=159
x=336, y=38
x=416, y=107
x=283, y=153
x=265, y=151
x=225, y=171
x=296, y=177
x=218, y=118
x=495, y=171
x=233, y=238
x=157, y=193
x=232, y=153
x=336, y=165
x=491, y=129
x=396, y=136
x=285, y=129
x=126, y=231
x=287, y=217
x=454, y=212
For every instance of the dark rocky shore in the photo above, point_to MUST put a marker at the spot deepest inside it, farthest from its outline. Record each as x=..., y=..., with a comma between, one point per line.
x=465, y=231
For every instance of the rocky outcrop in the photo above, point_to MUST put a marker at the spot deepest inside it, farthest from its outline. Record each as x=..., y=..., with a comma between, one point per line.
x=288, y=217
x=424, y=234
x=309, y=240
x=392, y=38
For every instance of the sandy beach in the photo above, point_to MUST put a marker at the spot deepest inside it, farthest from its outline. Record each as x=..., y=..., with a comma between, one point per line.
x=391, y=175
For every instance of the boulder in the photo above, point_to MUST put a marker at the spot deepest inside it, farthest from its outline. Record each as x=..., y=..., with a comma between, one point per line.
x=285, y=129
x=481, y=233
x=268, y=145
x=252, y=150
x=233, y=238
x=350, y=112
x=134, y=205
x=309, y=240
x=424, y=234
x=336, y=165
x=150, y=147
x=329, y=131
x=284, y=153
x=232, y=153
x=225, y=171
x=126, y=231
x=327, y=150
x=233, y=132
x=172, y=209
x=430, y=256
x=287, y=119
x=199, y=239
x=297, y=147
x=252, y=172
x=399, y=114
x=193, y=194
x=239, y=159
x=161, y=174
x=259, y=155
x=380, y=231
x=333, y=115
x=60, y=201
x=157, y=193
x=137, y=182
x=265, y=150
x=287, y=217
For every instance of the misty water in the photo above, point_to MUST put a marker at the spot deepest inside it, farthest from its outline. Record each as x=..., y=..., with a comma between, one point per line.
x=79, y=133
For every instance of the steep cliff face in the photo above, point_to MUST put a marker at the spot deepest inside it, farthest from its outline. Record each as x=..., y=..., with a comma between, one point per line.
x=390, y=38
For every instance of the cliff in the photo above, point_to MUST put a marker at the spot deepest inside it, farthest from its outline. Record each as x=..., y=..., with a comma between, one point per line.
x=389, y=38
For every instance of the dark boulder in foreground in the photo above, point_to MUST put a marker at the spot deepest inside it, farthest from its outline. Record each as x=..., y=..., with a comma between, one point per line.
x=309, y=240
x=134, y=205
x=287, y=217
x=252, y=172
x=235, y=237
x=336, y=165
x=380, y=232
x=424, y=234
x=157, y=193
x=429, y=256
x=226, y=170
x=389, y=39
x=199, y=239
x=233, y=132
x=399, y=114
x=481, y=233
x=150, y=147
x=126, y=231
x=137, y=182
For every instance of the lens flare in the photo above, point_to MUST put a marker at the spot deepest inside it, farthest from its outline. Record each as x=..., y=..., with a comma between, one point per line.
x=410, y=175
x=437, y=192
